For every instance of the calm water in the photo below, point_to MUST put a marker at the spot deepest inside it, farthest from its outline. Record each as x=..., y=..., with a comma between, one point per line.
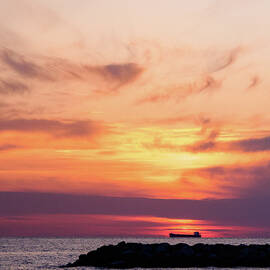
x=49, y=253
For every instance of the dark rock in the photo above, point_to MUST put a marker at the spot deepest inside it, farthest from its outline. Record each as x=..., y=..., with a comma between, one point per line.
x=163, y=247
x=131, y=255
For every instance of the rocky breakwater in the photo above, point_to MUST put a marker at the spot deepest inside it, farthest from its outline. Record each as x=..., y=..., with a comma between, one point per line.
x=129, y=255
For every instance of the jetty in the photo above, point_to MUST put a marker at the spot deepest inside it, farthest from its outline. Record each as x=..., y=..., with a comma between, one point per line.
x=164, y=255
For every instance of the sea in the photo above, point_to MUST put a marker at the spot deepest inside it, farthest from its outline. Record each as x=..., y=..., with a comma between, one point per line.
x=50, y=253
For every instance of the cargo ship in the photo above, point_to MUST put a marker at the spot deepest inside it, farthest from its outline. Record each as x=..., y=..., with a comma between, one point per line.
x=196, y=234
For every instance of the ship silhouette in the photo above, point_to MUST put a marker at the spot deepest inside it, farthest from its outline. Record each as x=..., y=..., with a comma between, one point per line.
x=196, y=234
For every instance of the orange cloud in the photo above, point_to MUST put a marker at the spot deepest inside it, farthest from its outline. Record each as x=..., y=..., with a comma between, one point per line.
x=206, y=84
x=250, y=145
x=7, y=147
x=53, y=127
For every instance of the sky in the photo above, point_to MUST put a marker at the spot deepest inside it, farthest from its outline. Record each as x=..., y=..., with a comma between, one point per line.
x=127, y=118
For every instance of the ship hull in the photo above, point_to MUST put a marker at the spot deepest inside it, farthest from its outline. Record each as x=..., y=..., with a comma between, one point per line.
x=173, y=235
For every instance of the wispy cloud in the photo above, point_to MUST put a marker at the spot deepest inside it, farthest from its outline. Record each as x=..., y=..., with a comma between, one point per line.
x=251, y=145
x=206, y=144
x=245, y=181
x=22, y=66
x=244, y=145
x=53, y=127
x=159, y=144
x=106, y=78
x=116, y=74
x=207, y=84
x=171, y=120
x=13, y=87
x=255, y=80
x=226, y=60
x=7, y=147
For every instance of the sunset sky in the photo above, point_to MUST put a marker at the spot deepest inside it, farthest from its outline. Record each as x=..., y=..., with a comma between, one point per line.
x=122, y=117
